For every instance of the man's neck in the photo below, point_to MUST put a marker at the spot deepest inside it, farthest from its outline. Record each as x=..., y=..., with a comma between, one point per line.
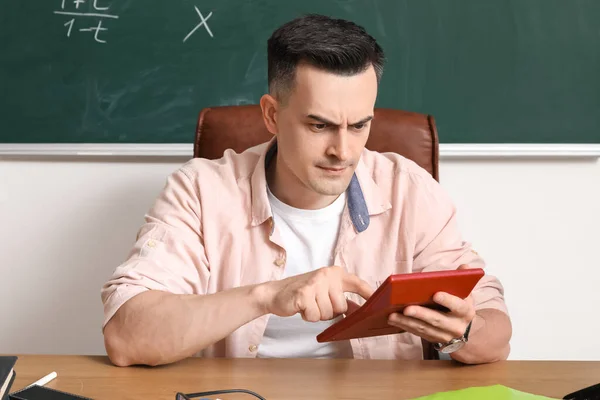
x=290, y=190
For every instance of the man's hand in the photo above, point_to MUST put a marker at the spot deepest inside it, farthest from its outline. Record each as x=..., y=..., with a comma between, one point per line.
x=435, y=326
x=316, y=295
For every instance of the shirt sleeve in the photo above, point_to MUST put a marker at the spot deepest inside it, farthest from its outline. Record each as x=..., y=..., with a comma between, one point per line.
x=439, y=244
x=168, y=254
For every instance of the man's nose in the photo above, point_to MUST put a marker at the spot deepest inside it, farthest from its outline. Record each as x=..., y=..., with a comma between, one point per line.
x=339, y=146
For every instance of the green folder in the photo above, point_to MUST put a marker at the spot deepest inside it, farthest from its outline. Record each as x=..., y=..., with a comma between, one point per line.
x=495, y=392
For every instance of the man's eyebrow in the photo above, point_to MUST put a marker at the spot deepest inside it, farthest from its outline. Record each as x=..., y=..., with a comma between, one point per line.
x=328, y=122
x=363, y=121
x=321, y=119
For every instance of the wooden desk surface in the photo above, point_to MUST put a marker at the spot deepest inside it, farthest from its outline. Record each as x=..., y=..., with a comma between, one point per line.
x=95, y=377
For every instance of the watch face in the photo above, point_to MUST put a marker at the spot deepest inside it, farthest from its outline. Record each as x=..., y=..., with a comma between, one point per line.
x=451, y=348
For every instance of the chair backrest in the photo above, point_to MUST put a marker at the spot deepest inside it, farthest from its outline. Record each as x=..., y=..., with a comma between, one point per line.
x=409, y=134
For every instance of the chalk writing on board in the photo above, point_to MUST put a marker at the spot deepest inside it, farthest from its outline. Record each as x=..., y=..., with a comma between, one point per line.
x=203, y=21
x=96, y=11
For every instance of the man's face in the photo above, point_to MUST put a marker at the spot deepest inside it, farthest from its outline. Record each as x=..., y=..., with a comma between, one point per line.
x=322, y=129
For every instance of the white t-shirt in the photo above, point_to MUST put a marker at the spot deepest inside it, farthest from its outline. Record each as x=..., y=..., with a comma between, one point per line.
x=309, y=237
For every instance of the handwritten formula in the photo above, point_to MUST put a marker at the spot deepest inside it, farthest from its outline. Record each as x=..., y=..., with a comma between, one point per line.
x=91, y=14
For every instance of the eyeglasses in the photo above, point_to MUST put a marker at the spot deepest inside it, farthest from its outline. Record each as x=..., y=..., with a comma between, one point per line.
x=189, y=396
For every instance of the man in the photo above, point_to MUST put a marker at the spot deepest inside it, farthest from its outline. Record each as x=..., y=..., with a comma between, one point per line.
x=256, y=253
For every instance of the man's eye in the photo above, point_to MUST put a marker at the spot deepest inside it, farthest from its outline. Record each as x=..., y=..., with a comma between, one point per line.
x=359, y=127
x=319, y=127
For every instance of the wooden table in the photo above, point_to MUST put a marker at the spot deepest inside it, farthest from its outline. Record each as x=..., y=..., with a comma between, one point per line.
x=95, y=377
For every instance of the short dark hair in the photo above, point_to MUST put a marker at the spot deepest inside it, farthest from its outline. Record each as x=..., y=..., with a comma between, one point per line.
x=334, y=45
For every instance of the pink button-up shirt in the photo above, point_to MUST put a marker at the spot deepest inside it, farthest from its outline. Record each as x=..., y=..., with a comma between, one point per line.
x=211, y=229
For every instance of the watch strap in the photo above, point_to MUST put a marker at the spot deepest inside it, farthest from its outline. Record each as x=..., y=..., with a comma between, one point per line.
x=464, y=338
x=467, y=331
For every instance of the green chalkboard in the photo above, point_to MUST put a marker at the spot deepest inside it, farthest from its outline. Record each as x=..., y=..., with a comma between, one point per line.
x=120, y=71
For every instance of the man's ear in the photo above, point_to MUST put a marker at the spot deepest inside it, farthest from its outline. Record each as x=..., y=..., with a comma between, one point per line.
x=269, y=107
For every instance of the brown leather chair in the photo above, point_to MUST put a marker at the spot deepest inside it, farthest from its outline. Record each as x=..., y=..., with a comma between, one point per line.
x=409, y=134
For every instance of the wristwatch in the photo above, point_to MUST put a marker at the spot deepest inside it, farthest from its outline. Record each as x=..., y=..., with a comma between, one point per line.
x=455, y=344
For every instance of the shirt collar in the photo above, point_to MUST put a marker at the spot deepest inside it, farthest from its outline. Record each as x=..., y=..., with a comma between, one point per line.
x=364, y=197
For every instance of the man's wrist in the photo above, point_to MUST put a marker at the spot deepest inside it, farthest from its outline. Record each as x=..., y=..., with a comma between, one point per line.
x=455, y=344
x=464, y=354
x=261, y=296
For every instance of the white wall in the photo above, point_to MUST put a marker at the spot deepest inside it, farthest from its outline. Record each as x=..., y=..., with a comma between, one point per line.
x=66, y=224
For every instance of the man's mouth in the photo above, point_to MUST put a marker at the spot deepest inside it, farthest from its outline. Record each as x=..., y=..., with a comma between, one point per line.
x=333, y=170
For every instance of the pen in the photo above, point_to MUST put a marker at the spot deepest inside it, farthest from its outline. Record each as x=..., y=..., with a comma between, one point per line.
x=44, y=380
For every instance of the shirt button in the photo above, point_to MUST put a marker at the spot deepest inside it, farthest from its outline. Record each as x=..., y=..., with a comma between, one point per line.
x=151, y=243
x=279, y=262
x=253, y=348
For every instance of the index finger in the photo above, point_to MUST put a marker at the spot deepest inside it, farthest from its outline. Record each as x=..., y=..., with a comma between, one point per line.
x=453, y=303
x=353, y=284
